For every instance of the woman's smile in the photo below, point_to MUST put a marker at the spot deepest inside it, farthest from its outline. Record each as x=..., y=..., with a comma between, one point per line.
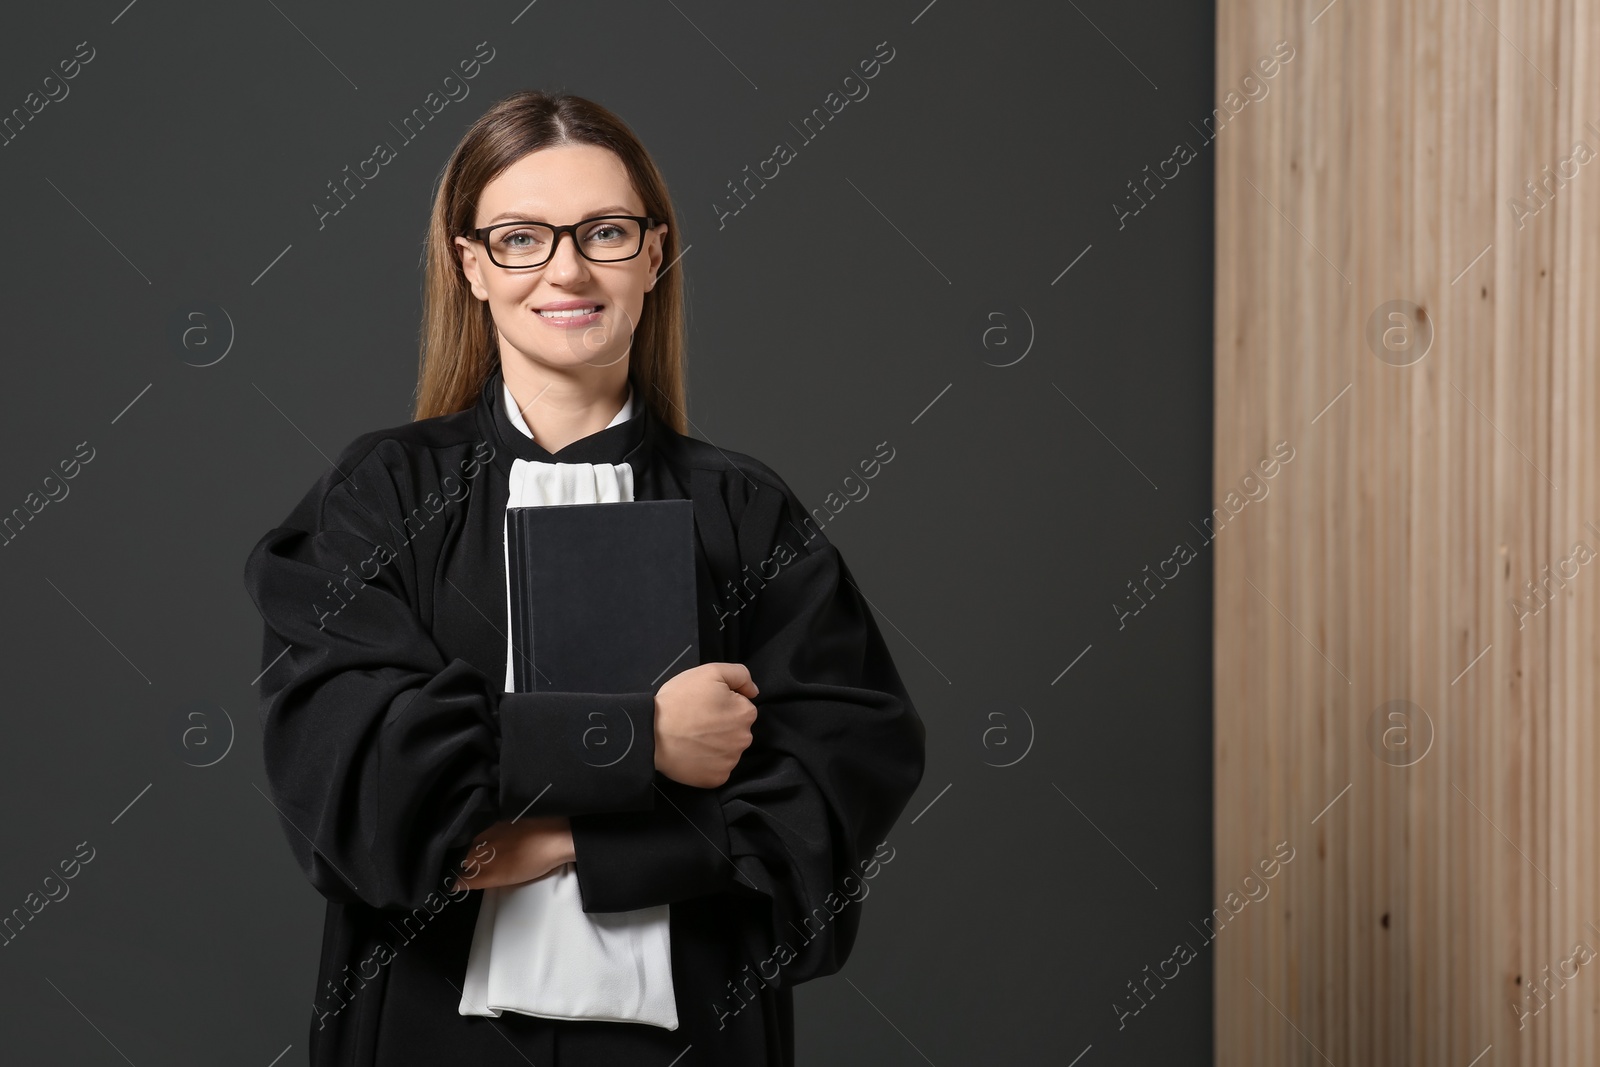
x=567, y=314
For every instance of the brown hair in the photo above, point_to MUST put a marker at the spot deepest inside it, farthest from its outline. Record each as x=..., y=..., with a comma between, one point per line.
x=458, y=352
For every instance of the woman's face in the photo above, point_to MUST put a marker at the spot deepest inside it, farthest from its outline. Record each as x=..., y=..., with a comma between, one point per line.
x=561, y=185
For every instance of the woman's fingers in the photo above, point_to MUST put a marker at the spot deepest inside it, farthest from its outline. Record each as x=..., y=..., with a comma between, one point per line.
x=736, y=676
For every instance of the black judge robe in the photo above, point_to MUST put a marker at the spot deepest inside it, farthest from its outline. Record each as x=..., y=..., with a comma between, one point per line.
x=390, y=744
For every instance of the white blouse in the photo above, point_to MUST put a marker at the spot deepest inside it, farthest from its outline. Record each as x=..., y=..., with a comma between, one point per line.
x=535, y=950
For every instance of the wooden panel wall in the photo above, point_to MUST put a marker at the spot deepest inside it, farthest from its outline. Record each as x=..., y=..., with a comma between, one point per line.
x=1443, y=903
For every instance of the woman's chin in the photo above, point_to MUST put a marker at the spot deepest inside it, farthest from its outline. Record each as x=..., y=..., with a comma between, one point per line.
x=573, y=357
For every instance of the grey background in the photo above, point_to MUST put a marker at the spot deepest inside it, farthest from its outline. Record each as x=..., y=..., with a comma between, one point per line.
x=846, y=305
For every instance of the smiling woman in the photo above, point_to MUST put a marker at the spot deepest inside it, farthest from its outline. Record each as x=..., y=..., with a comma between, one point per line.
x=609, y=925
x=563, y=310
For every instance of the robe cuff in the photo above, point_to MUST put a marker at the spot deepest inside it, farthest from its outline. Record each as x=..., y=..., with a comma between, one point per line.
x=677, y=850
x=576, y=752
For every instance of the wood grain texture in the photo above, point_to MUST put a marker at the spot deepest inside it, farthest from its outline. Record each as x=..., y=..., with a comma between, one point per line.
x=1434, y=910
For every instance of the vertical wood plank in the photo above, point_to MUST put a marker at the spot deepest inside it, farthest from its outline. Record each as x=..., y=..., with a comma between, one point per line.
x=1435, y=540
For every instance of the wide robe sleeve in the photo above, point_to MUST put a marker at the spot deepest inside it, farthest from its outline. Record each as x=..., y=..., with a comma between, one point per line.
x=384, y=760
x=837, y=752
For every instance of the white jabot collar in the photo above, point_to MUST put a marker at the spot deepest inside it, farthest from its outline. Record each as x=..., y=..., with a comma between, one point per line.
x=522, y=424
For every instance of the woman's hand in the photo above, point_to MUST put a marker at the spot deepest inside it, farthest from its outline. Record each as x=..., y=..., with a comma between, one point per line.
x=703, y=718
x=522, y=851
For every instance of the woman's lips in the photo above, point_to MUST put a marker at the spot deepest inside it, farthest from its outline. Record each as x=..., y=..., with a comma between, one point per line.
x=569, y=319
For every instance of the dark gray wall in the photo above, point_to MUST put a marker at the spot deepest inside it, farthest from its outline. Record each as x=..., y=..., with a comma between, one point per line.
x=904, y=279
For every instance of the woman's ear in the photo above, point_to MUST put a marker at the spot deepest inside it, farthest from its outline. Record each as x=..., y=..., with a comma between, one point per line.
x=658, y=240
x=471, y=268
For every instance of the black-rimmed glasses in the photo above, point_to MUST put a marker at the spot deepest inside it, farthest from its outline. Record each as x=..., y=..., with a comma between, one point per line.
x=602, y=239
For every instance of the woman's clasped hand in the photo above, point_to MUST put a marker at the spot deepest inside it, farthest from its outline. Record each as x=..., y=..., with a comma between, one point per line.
x=702, y=726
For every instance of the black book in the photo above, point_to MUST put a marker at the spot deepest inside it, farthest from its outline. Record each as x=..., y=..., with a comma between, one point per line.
x=602, y=595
